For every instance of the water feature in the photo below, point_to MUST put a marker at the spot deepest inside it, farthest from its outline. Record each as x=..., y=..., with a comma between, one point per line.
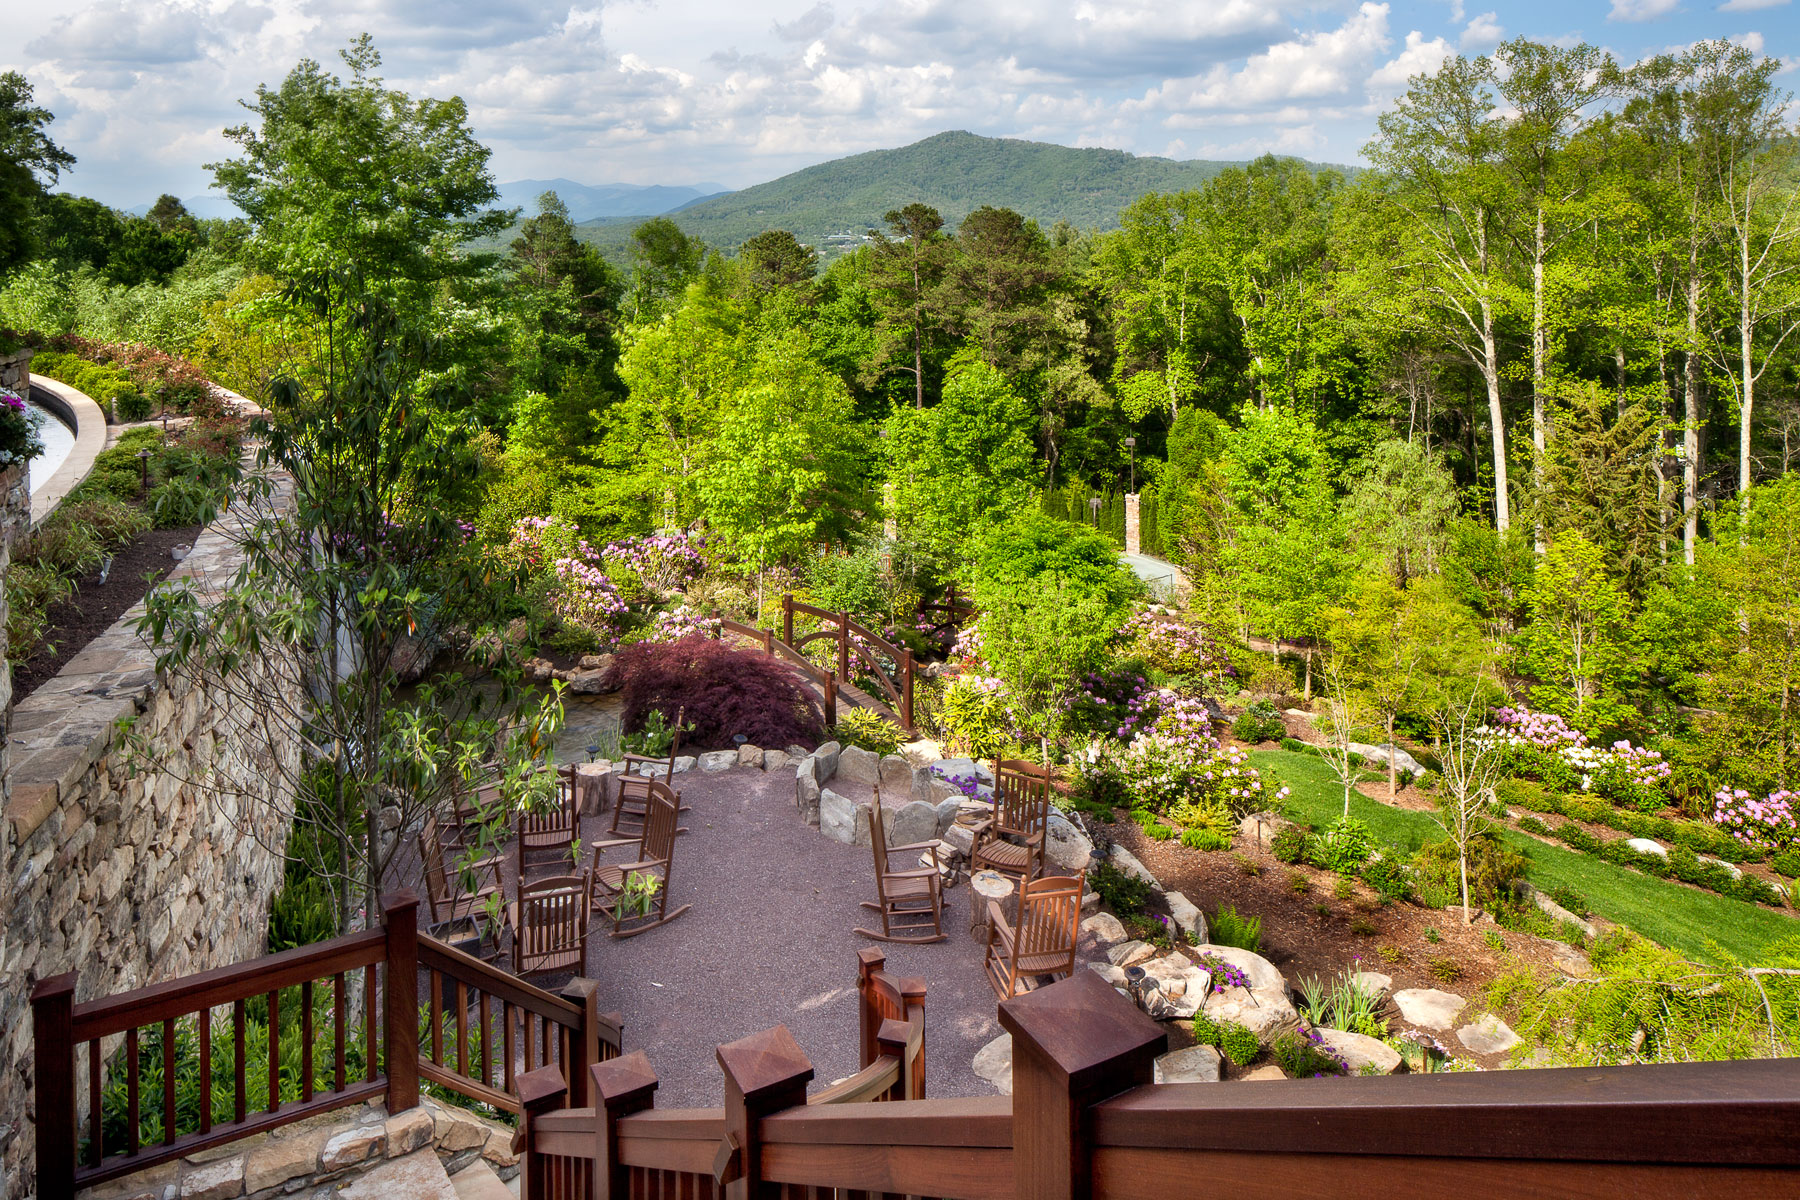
x=58, y=440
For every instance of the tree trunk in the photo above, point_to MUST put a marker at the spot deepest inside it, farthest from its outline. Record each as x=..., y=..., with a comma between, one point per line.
x=1462, y=863
x=1490, y=374
x=1393, y=770
x=1539, y=352
x=1691, y=417
x=1746, y=341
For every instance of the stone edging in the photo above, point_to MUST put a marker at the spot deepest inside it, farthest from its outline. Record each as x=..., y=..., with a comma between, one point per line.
x=89, y=423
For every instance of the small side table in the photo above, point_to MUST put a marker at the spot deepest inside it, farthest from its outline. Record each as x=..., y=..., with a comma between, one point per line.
x=987, y=885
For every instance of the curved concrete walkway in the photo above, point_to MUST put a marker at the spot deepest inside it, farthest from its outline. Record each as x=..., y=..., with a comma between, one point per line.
x=90, y=439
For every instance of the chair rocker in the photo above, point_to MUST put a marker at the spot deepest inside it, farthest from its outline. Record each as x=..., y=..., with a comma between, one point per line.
x=1012, y=840
x=550, y=924
x=633, y=799
x=655, y=858
x=911, y=902
x=1043, y=941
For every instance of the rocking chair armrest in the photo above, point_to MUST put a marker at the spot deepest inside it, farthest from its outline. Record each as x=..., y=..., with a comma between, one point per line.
x=645, y=758
x=915, y=873
x=998, y=929
x=609, y=843
x=982, y=826
x=627, y=868
x=931, y=845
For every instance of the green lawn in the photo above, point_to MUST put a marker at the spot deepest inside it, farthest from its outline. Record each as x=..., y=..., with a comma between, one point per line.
x=1681, y=918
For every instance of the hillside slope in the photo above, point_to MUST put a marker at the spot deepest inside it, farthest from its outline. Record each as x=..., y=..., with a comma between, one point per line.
x=832, y=204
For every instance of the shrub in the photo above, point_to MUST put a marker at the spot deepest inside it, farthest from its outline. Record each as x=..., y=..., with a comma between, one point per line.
x=111, y=520
x=1533, y=825
x=1756, y=891
x=1495, y=871
x=1099, y=788
x=723, y=692
x=1205, y=839
x=1787, y=863
x=868, y=729
x=1444, y=970
x=1569, y=898
x=130, y=406
x=1261, y=722
x=1289, y=845
x=181, y=502
x=1305, y=1055
x=1343, y=846
x=1528, y=794
x=1296, y=746
x=1578, y=838
x=1229, y=927
x=1389, y=877
x=974, y=717
x=1588, y=808
x=1125, y=894
x=63, y=546
x=1298, y=883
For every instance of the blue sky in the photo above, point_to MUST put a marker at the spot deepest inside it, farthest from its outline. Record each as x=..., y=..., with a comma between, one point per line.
x=681, y=91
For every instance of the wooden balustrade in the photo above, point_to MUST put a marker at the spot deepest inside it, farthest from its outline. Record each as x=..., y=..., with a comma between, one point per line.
x=855, y=642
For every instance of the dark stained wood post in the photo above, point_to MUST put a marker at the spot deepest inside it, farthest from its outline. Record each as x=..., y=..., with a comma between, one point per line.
x=843, y=641
x=912, y=990
x=584, y=1046
x=765, y=1073
x=53, y=1064
x=1075, y=1043
x=906, y=690
x=400, y=914
x=620, y=1087
x=540, y=1091
x=830, y=698
x=787, y=618
x=869, y=962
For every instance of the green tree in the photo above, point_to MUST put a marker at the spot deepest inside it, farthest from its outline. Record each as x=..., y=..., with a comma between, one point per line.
x=963, y=465
x=905, y=264
x=1600, y=478
x=664, y=260
x=996, y=286
x=28, y=161
x=1400, y=511
x=1577, y=644
x=777, y=262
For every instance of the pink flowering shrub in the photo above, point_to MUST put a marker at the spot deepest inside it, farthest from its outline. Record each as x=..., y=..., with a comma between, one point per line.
x=656, y=565
x=582, y=595
x=1173, y=648
x=1179, y=770
x=1768, y=823
x=1541, y=746
x=671, y=625
x=1119, y=702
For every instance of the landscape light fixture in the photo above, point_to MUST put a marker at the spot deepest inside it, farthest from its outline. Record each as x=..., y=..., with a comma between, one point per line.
x=1094, y=504
x=1131, y=449
x=143, y=457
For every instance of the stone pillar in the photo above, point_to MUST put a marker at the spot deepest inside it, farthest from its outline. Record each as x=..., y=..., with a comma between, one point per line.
x=1133, y=543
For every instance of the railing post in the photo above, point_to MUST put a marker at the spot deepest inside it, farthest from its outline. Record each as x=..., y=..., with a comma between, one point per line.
x=912, y=991
x=584, y=1047
x=400, y=914
x=764, y=1073
x=869, y=962
x=540, y=1091
x=620, y=1086
x=787, y=618
x=895, y=1038
x=843, y=641
x=53, y=1063
x=906, y=690
x=768, y=640
x=1075, y=1043
x=831, y=698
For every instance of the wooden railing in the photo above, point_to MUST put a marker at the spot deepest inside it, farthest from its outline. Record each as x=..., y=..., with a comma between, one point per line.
x=358, y=1039
x=827, y=680
x=855, y=642
x=621, y=1145
x=957, y=611
x=1085, y=1120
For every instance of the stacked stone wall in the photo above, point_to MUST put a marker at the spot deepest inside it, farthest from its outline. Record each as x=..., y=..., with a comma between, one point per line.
x=126, y=869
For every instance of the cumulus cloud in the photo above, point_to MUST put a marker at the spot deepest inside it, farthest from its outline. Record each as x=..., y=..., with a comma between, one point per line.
x=1735, y=6
x=1641, y=10
x=1483, y=34
x=1419, y=57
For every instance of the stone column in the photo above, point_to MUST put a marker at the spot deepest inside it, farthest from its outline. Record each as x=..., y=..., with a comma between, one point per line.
x=1133, y=543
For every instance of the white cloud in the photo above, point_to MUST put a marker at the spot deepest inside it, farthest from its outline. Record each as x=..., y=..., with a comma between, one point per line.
x=1641, y=10
x=1419, y=57
x=1735, y=6
x=1483, y=34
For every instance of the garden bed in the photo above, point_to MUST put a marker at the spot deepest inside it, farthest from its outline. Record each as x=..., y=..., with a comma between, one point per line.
x=93, y=608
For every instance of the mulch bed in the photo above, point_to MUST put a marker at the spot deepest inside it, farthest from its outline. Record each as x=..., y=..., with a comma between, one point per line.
x=92, y=608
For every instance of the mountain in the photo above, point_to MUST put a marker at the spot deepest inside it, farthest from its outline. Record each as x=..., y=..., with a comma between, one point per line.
x=603, y=200
x=832, y=205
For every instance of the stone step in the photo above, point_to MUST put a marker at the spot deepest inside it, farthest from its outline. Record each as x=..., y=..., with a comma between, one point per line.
x=477, y=1181
x=416, y=1176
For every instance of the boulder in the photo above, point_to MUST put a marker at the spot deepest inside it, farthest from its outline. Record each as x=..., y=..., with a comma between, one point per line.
x=1362, y=1054
x=1260, y=828
x=352, y=1146
x=1570, y=961
x=920, y=787
x=538, y=670
x=775, y=760
x=750, y=756
x=921, y=753
x=1487, y=1034
x=1130, y=954
x=1196, y=1064
x=1127, y=862
x=1187, y=918
x=1265, y=1072
x=842, y=819
x=1557, y=912
x=1404, y=763
x=274, y=1161
x=1730, y=869
x=1259, y=971
x=1065, y=846
x=1113, y=975
x=915, y=822
x=1648, y=846
x=1180, y=987
x=950, y=768
x=1104, y=928
x=994, y=1061
x=219, y=1179
x=413, y=657
x=683, y=762
x=827, y=755
x=1373, y=983
x=1264, y=1008
x=594, y=682
x=946, y=815
x=417, y=1176
x=807, y=794
x=896, y=778
x=714, y=761
x=859, y=765
x=1428, y=1008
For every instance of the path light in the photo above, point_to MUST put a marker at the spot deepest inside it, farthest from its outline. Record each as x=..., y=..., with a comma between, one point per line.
x=738, y=739
x=143, y=457
x=593, y=751
x=1131, y=449
x=1094, y=504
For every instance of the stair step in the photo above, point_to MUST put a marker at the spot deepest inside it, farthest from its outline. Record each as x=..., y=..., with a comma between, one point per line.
x=477, y=1181
x=416, y=1176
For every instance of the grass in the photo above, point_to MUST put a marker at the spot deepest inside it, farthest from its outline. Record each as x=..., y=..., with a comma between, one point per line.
x=1684, y=919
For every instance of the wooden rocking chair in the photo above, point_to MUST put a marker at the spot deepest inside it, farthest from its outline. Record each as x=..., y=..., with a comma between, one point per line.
x=1012, y=840
x=911, y=902
x=633, y=799
x=655, y=858
x=550, y=834
x=449, y=905
x=1043, y=941
x=550, y=924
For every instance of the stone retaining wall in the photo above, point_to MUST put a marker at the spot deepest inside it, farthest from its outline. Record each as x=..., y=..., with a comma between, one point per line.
x=125, y=874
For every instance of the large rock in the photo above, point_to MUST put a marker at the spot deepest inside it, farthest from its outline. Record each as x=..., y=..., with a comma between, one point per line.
x=1066, y=847
x=1260, y=828
x=1130, y=954
x=1196, y=1064
x=1648, y=846
x=946, y=814
x=921, y=753
x=920, y=787
x=915, y=822
x=714, y=761
x=1264, y=1007
x=1113, y=975
x=417, y=1176
x=276, y=1160
x=842, y=819
x=1180, y=987
x=1487, y=1034
x=1127, y=862
x=807, y=791
x=1364, y=1055
x=828, y=760
x=1373, y=983
x=896, y=778
x=219, y=1179
x=352, y=1146
x=1557, y=912
x=1187, y=918
x=413, y=656
x=1570, y=961
x=595, y=682
x=775, y=760
x=994, y=1063
x=859, y=766
x=1404, y=763
x=1104, y=928
x=683, y=762
x=1258, y=971
x=1428, y=1008
x=750, y=755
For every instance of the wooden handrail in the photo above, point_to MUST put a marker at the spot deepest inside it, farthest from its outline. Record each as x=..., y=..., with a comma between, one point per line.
x=873, y=1082
x=502, y=985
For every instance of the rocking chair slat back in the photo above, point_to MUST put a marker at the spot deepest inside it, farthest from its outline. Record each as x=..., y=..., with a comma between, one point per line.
x=550, y=932
x=1021, y=796
x=911, y=902
x=634, y=789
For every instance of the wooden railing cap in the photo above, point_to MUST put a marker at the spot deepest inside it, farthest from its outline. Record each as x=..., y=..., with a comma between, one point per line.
x=767, y=1060
x=626, y=1075
x=1082, y=1026
x=545, y=1083
x=54, y=985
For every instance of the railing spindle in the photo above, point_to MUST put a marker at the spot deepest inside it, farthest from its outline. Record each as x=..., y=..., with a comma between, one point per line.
x=462, y=1028
x=168, y=1066
x=507, y=1013
x=241, y=1101
x=274, y=1052
x=481, y=1032
x=306, y=1040
x=337, y=1023
x=371, y=1046
x=96, y=1130
x=203, y=1023
x=131, y=1089
x=437, y=1017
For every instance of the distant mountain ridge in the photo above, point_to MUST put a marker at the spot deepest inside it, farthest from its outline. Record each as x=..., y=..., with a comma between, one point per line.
x=832, y=204
x=601, y=201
